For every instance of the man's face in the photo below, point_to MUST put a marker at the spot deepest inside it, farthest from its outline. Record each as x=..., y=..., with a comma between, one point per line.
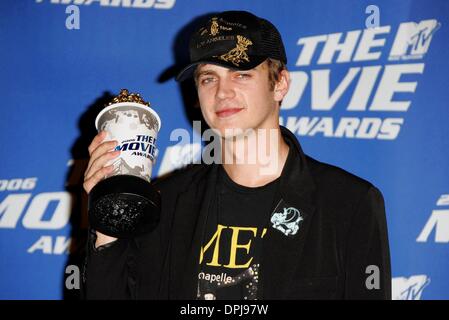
x=233, y=99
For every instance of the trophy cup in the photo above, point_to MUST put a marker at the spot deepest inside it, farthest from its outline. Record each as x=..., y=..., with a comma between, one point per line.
x=125, y=204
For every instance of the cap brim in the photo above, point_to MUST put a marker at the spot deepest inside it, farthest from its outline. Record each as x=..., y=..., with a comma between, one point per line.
x=188, y=71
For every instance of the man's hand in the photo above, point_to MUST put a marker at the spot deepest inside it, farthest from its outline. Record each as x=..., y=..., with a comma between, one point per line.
x=100, y=153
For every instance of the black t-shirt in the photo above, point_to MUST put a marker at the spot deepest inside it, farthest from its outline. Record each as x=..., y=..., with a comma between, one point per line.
x=229, y=261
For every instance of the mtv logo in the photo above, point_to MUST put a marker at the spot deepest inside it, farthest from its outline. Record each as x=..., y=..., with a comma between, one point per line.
x=179, y=156
x=413, y=39
x=409, y=288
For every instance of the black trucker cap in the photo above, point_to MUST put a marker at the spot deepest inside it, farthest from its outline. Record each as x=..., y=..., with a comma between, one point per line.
x=234, y=39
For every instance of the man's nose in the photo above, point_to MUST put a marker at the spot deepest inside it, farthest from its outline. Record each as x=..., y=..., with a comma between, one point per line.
x=225, y=89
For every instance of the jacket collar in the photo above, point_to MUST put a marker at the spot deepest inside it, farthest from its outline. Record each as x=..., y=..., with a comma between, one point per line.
x=280, y=254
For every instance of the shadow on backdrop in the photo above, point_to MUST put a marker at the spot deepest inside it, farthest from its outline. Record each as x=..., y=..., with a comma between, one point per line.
x=74, y=185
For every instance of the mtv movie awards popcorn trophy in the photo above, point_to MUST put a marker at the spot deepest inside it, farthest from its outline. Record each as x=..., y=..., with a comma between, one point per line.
x=125, y=204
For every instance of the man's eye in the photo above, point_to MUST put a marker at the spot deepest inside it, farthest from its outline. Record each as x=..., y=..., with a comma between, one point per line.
x=243, y=75
x=206, y=80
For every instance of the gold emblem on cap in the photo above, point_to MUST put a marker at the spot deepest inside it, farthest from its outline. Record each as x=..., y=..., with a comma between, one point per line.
x=237, y=54
x=125, y=96
x=214, y=28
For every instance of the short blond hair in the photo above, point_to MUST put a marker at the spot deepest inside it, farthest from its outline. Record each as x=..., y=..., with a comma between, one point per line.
x=275, y=67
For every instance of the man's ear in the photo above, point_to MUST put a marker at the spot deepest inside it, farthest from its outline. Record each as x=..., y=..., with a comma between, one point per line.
x=282, y=85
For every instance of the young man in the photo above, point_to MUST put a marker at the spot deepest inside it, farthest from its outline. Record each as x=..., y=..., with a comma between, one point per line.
x=282, y=227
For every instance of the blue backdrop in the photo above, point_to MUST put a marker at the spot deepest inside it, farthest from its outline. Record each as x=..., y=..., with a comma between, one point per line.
x=369, y=93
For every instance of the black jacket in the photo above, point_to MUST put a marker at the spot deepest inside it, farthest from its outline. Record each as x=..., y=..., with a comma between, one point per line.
x=343, y=232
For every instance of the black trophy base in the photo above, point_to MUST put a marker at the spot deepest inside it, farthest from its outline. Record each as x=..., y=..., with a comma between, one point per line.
x=123, y=206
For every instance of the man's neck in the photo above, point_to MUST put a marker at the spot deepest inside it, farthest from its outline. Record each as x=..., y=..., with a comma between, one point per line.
x=255, y=159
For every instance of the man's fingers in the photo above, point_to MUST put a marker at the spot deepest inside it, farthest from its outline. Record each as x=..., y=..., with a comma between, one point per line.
x=96, y=141
x=101, y=149
x=97, y=177
x=100, y=162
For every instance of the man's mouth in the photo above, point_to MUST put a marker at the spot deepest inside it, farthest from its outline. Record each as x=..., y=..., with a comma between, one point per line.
x=225, y=113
